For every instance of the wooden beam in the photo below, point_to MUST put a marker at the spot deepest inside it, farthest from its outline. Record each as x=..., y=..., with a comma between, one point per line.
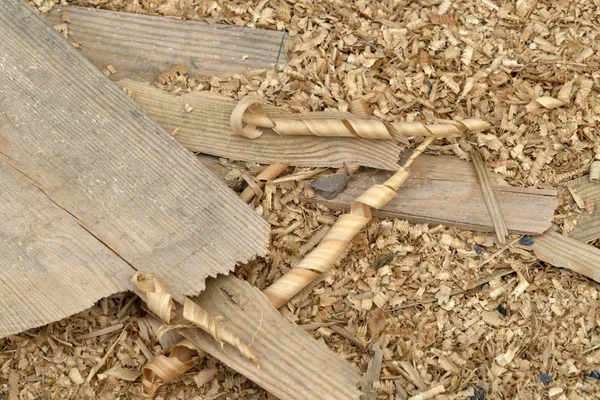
x=142, y=46
x=291, y=364
x=444, y=190
x=133, y=190
x=206, y=129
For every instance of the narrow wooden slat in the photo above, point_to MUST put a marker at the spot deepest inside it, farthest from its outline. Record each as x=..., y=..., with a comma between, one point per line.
x=206, y=129
x=444, y=190
x=96, y=155
x=291, y=364
x=569, y=253
x=142, y=46
x=489, y=197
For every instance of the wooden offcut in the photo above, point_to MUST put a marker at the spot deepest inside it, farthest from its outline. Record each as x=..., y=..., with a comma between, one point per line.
x=103, y=191
x=565, y=252
x=290, y=364
x=207, y=129
x=586, y=194
x=444, y=190
x=142, y=46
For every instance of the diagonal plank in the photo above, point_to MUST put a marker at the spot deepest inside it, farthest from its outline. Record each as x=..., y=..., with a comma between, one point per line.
x=142, y=46
x=207, y=129
x=97, y=156
x=291, y=364
x=444, y=190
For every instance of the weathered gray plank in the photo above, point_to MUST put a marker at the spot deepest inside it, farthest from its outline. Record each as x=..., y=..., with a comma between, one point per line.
x=444, y=190
x=207, y=129
x=50, y=266
x=96, y=155
x=142, y=46
x=291, y=364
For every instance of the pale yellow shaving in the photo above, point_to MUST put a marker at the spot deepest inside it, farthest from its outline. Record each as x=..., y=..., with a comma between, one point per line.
x=248, y=118
x=208, y=323
x=347, y=226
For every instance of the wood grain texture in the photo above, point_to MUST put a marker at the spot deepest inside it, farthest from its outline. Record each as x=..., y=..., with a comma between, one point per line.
x=564, y=252
x=142, y=46
x=51, y=266
x=206, y=129
x=291, y=364
x=586, y=194
x=444, y=190
x=99, y=157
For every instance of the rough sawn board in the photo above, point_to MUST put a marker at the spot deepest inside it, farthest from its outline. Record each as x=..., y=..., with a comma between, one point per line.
x=444, y=190
x=206, y=129
x=291, y=364
x=142, y=46
x=125, y=191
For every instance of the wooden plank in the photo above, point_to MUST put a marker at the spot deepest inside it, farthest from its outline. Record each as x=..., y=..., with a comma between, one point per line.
x=291, y=364
x=51, y=266
x=569, y=253
x=444, y=190
x=142, y=46
x=95, y=154
x=206, y=129
x=587, y=196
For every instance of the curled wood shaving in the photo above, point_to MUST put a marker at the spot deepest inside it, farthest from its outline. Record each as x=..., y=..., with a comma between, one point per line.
x=160, y=302
x=451, y=129
x=248, y=117
x=339, y=236
x=162, y=369
x=202, y=318
x=268, y=174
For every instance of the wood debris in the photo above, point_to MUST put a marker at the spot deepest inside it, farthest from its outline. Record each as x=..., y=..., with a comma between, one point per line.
x=172, y=54
x=489, y=197
x=406, y=60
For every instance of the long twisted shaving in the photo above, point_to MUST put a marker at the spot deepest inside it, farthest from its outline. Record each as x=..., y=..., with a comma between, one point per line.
x=345, y=228
x=249, y=119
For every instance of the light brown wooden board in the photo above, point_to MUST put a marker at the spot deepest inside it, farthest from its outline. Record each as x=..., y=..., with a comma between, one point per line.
x=588, y=224
x=95, y=154
x=206, y=129
x=49, y=263
x=142, y=46
x=291, y=364
x=569, y=253
x=444, y=190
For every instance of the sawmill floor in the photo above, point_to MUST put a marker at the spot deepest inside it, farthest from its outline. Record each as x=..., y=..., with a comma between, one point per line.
x=448, y=307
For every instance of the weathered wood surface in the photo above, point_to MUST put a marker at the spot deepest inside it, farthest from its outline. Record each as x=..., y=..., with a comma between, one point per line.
x=96, y=155
x=444, y=190
x=565, y=252
x=49, y=263
x=142, y=46
x=291, y=364
x=587, y=197
x=206, y=129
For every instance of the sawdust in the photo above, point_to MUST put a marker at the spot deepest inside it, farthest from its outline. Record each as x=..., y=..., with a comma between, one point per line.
x=529, y=68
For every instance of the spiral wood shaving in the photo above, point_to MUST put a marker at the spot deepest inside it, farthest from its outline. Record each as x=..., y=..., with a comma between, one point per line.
x=249, y=119
x=347, y=226
x=162, y=369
